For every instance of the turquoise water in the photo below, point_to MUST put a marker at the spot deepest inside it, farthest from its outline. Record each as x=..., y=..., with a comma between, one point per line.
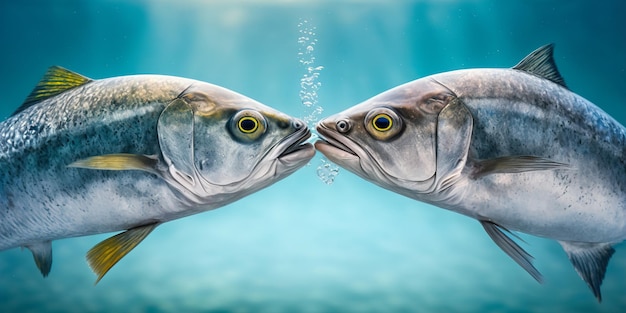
x=302, y=245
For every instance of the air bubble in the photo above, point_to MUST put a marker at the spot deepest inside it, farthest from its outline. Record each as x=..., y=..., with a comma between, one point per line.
x=327, y=172
x=309, y=86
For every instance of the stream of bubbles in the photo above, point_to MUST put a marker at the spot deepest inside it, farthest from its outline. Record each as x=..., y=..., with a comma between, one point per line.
x=309, y=87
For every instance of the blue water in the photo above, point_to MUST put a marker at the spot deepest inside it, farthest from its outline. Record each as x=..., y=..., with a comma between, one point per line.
x=301, y=245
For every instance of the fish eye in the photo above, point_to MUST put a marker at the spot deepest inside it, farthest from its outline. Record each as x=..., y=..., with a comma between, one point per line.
x=383, y=123
x=248, y=125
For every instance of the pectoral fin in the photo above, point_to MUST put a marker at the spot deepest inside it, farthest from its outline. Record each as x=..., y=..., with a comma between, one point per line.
x=515, y=164
x=118, y=162
x=512, y=249
x=107, y=253
x=42, y=253
x=590, y=261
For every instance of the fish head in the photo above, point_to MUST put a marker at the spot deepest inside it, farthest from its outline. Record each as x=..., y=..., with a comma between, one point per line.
x=392, y=138
x=220, y=145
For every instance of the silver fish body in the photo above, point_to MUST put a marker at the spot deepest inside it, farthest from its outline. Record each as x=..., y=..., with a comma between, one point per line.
x=512, y=148
x=584, y=201
x=83, y=157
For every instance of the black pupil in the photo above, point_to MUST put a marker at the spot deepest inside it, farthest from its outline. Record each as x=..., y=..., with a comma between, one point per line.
x=248, y=124
x=382, y=122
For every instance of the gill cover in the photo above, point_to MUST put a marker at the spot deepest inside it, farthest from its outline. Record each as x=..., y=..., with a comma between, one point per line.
x=454, y=132
x=176, y=130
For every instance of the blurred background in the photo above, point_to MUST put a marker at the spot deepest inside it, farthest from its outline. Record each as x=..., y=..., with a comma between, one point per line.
x=302, y=245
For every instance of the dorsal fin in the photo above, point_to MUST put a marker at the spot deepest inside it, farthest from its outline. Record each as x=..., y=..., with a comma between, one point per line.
x=541, y=63
x=56, y=81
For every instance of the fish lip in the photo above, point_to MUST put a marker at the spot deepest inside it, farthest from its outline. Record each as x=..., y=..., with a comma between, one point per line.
x=294, y=152
x=296, y=142
x=326, y=137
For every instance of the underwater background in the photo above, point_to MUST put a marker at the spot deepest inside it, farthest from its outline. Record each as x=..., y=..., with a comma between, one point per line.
x=303, y=245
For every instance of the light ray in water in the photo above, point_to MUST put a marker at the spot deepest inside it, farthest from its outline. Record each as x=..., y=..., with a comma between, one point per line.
x=309, y=87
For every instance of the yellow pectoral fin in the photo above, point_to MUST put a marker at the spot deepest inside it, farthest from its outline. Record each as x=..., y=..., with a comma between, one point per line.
x=118, y=162
x=107, y=253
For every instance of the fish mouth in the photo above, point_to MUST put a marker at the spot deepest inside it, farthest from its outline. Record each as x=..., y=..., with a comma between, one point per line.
x=298, y=143
x=342, y=151
x=297, y=150
x=333, y=147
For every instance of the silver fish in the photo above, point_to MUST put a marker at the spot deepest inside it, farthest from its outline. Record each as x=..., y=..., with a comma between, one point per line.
x=84, y=156
x=513, y=148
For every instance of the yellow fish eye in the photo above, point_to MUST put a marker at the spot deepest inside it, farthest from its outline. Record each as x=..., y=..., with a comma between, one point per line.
x=382, y=122
x=248, y=124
